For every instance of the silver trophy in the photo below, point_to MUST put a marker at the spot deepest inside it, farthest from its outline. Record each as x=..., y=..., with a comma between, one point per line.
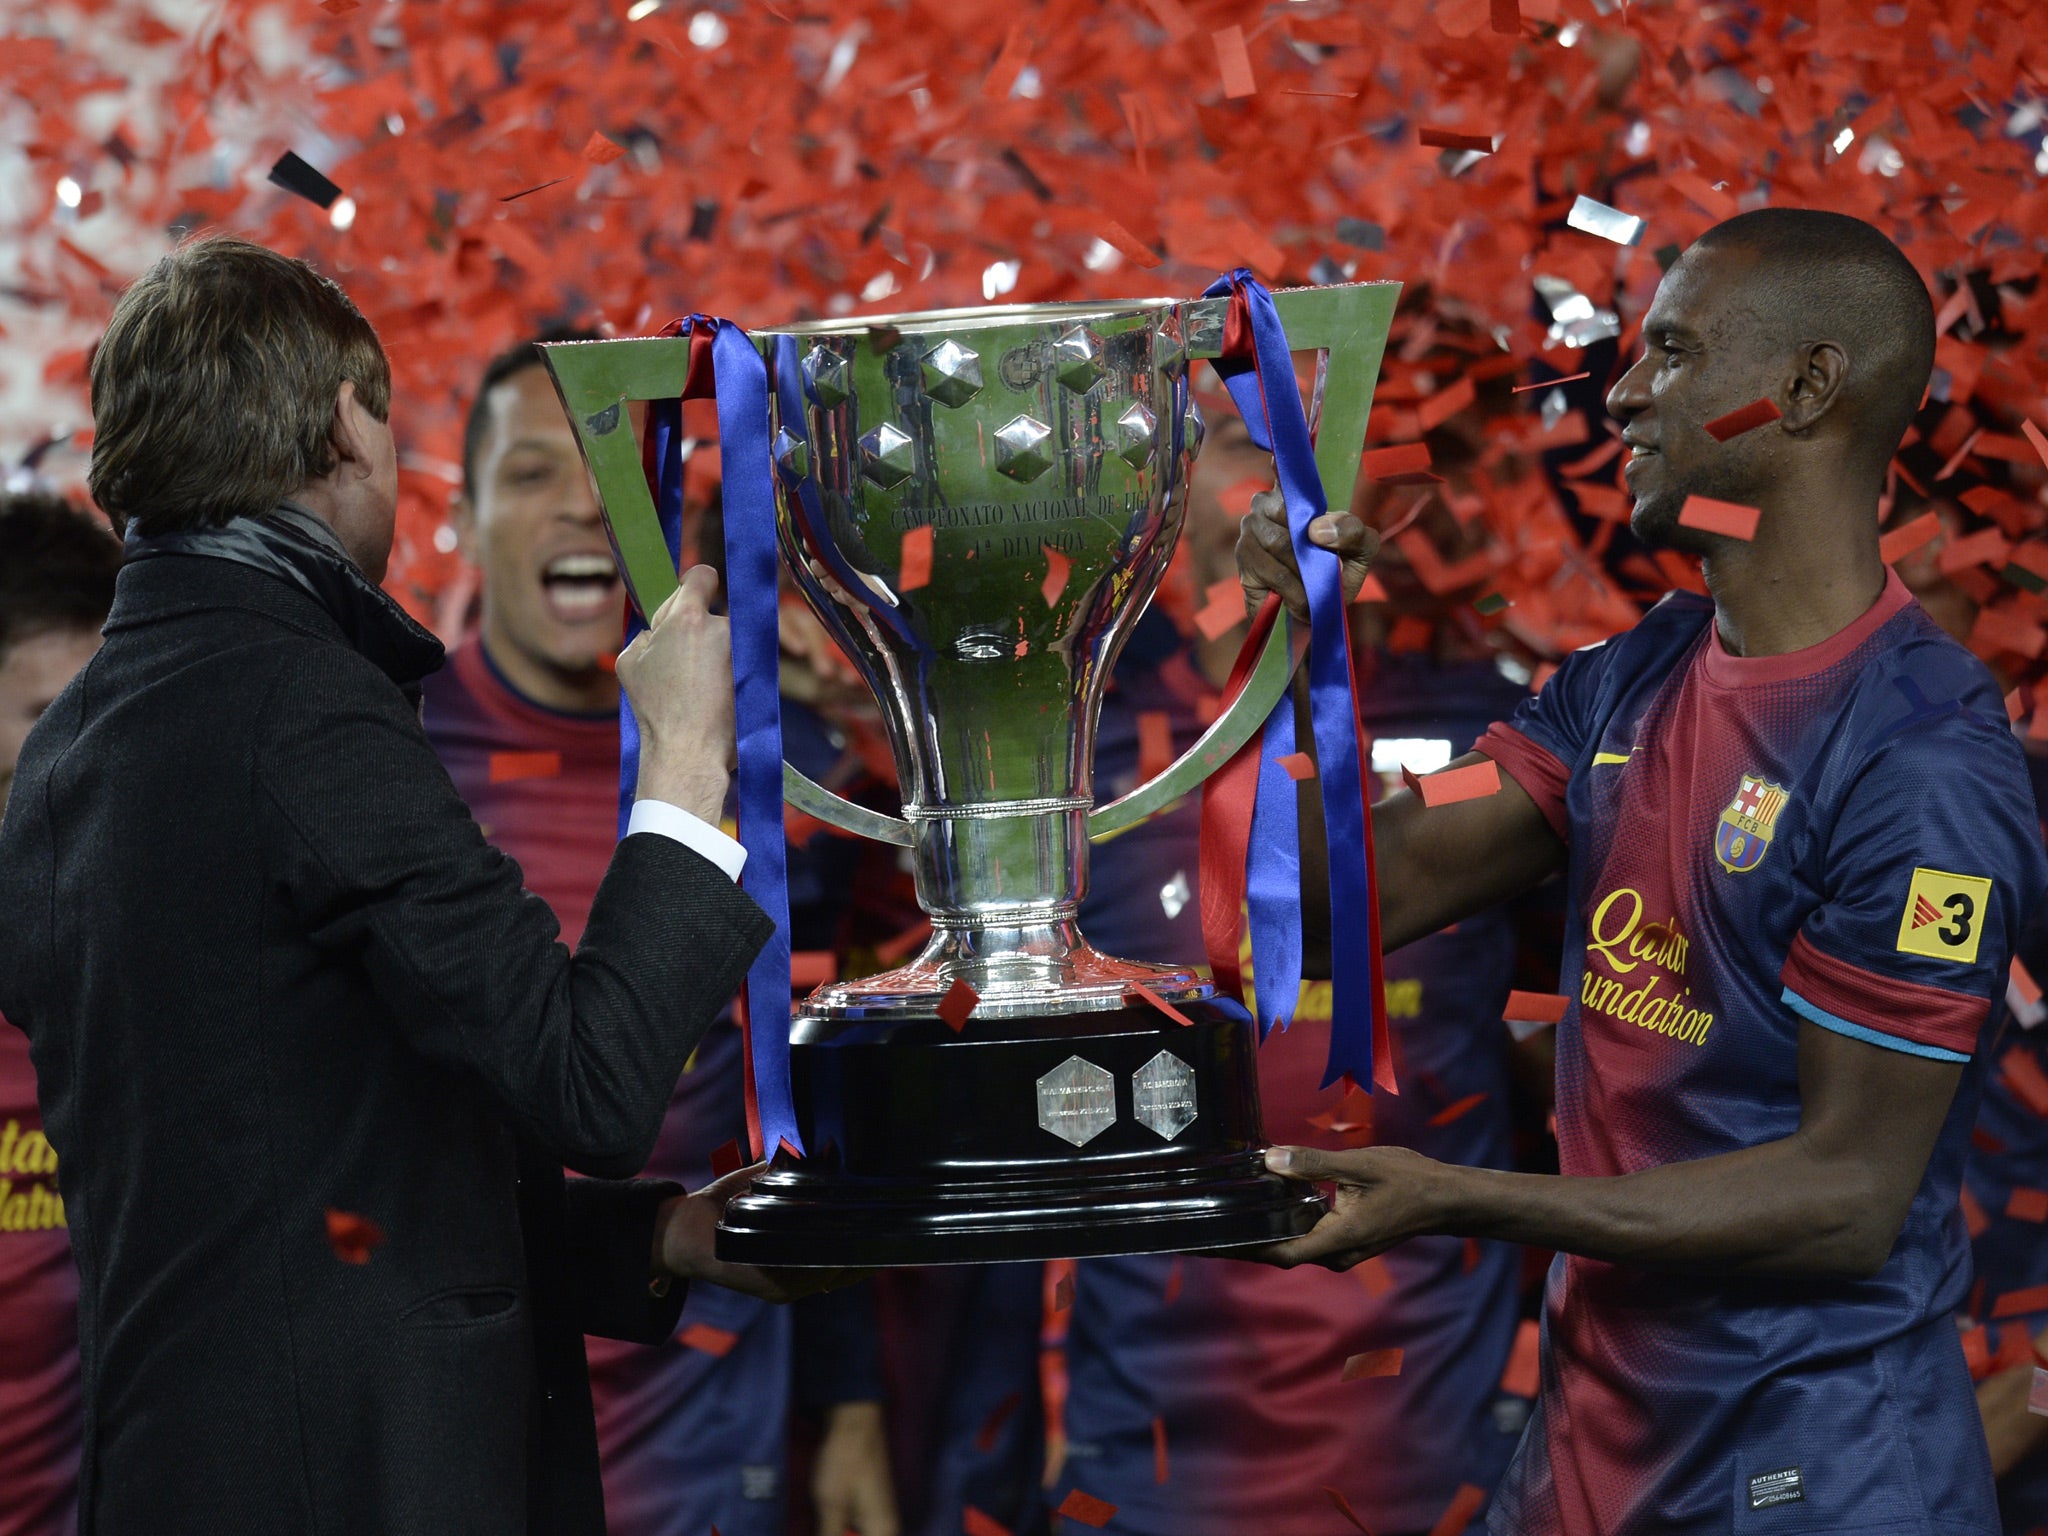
x=978, y=504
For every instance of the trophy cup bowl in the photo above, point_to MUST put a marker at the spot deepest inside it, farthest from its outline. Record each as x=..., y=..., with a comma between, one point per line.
x=978, y=504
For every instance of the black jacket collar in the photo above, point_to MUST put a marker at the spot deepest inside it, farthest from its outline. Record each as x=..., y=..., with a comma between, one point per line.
x=309, y=575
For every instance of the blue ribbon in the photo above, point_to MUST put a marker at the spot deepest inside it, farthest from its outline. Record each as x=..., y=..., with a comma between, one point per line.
x=748, y=497
x=1269, y=399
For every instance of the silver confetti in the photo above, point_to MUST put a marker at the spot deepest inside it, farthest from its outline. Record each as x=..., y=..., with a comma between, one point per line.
x=1608, y=223
x=1173, y=896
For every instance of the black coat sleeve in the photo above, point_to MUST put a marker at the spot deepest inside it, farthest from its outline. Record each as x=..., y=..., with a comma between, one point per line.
x=377, y=855
x=609, y=1248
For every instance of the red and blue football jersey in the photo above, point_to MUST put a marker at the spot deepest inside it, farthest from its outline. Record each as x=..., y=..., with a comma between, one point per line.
x=1842, y=836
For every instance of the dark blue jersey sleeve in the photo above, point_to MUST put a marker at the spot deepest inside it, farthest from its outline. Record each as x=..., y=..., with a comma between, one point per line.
x=1549, y=731
x=1932, y=866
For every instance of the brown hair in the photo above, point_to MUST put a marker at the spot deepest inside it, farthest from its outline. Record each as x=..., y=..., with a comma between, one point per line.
x=57, y=567
x=213, y=388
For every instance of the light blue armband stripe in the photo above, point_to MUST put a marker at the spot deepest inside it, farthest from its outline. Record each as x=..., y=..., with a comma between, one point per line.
x=1841, y=1026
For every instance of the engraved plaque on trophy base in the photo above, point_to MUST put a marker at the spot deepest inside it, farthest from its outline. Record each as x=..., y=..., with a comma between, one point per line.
x=1020, y=1138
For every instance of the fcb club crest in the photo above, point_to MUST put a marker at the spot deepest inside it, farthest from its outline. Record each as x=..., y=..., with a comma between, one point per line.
x=1743, y=835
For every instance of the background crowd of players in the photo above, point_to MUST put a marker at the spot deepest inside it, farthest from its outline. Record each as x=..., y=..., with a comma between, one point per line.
x=1201, y=1397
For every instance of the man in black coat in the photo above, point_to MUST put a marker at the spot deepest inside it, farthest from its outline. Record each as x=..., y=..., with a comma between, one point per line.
x=310, y=1057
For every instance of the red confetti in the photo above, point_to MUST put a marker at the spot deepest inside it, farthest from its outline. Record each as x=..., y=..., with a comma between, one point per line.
x=1086, y=1509
x=1155, y=743
x=707, y=1340
x=1223, y=611
x=599, y=150
x=812, y=967
x=1570, y=378
x=1374, y=1362
x=1446, y=403
x=1234, y=62
x=1457, y=1111
x=975, y=1523
x=1727, y=518
x=340, y=7
x=1506, y=16
x=2023, y=981
x=1907, y=537
x=1448, y=786
x=352, y=1237
x=1386, y=464
x=1445, y=138
x=2035, y=437
x=2023, y=1075
x=1128, y=245
x=1297, y=766
x=1372, y=591
x=957, y=1004
x=1375, y=1275
x=1063, y=1294
x=1009, y=63
x=730, y=1158
x=914, y=559
x=1465, y=1503
x=507, y=767
x=1522, y=1376
x=1139, y=990
x=1536, y=1007
x=1170, y=1292
x=1160, y=1467
x=1056, y=568
x=1343, y=1507
x=2016, y=1303
x=1748, y=419
x=991, y=1429
x=2028, y=1205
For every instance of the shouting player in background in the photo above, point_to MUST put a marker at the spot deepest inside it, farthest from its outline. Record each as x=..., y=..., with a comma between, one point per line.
x=694, y=1435
x=1800, y=845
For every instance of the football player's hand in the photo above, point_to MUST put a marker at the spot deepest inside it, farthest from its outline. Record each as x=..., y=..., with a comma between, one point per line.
x=1265, y=552
x=1383, y=1197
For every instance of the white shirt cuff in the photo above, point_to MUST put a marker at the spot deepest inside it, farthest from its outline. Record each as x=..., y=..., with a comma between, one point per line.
x=693, y=832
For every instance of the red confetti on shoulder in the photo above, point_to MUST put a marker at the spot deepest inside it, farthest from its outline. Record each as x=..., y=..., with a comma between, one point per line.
x=352, y=1237
x=1086, y=1509
x=1748, y=419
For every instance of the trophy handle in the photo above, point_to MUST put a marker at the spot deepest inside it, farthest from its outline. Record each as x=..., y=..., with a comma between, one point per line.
x=1348, y=324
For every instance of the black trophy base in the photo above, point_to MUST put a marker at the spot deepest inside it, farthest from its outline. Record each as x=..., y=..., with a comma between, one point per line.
x=1019, y=1139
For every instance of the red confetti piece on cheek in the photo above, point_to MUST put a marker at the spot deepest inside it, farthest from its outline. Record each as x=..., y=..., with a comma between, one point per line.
x=1086, y=1509
x=352, y=1237
x=707, y=1340
x=1465, y=1503
x=507, y=767
x=914, y=559
x=957, y=1004
x=1748, y=419
x=1056, y=568
x=1729, y=519
x=1374, y=1362
x=1343, y=1507
x=1297, y=766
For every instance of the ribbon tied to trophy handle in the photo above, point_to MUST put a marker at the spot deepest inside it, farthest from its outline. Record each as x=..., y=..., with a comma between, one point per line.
x=1346, y=324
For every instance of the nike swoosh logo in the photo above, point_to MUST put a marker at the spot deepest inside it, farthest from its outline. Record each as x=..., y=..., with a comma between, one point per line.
x=1602, y=759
